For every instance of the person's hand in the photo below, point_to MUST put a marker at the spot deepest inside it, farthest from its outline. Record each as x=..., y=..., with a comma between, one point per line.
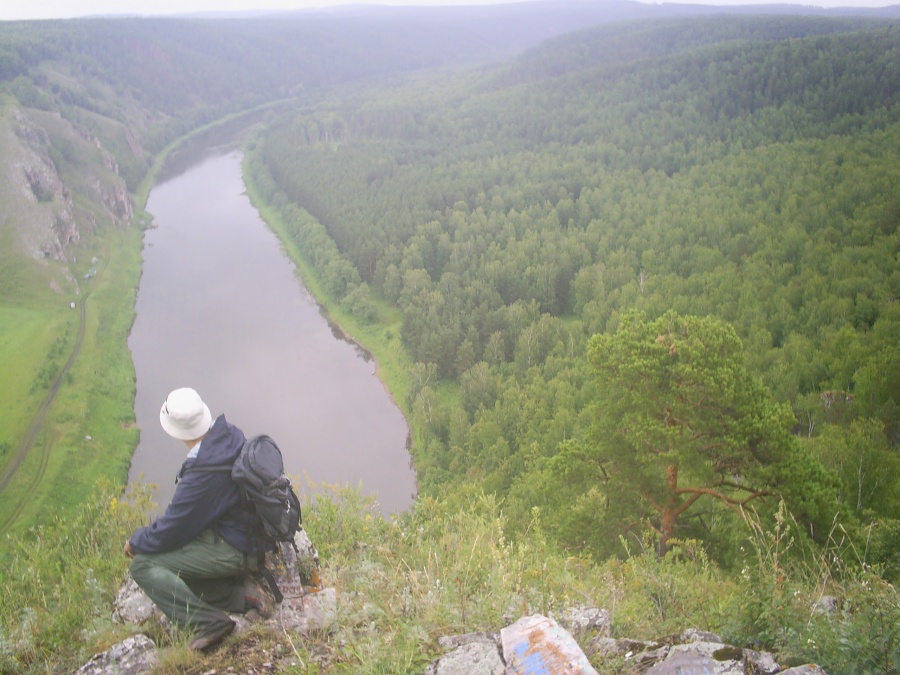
x=129, y=553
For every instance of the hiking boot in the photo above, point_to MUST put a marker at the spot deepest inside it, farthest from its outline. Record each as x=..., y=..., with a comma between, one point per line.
x=258, y=598
x=212, y=637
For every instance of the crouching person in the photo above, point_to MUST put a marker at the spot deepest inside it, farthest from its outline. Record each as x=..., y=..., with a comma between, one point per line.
x=196, y=561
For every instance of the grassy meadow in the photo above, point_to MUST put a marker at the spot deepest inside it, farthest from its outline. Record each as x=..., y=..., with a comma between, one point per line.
x=88, y=430
x=30, y=344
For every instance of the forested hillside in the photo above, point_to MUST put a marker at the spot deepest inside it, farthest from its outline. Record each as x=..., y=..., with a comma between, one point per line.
x=616, y=182
x=168, y=77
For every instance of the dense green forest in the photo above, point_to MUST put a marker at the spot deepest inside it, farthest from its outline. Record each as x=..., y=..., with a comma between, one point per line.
x=729, y=177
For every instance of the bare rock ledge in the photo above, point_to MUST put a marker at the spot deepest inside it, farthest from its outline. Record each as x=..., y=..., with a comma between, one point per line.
x=529, y=646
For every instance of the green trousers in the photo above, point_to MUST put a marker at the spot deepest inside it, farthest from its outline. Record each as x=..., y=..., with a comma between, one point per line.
x=197, y=584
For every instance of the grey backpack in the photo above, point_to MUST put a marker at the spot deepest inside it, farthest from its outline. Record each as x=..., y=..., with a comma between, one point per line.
x=259, y=473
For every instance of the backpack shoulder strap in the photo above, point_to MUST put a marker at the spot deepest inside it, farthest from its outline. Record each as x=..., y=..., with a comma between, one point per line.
x=266, y=574
x=208, y=468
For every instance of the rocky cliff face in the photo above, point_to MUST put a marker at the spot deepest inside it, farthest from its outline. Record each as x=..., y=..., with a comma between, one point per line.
x=45, y=213
x=58, y=184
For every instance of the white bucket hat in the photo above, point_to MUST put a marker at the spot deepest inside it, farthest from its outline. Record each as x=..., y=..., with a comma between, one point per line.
x=184, y=415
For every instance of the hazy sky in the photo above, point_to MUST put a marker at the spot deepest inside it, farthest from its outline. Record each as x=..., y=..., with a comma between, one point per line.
x=52, y=9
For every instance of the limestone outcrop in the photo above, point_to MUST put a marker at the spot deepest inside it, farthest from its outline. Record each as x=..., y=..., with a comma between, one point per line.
x=566, y=643
x=539, y=644
x=56, y=196
x=133, y=656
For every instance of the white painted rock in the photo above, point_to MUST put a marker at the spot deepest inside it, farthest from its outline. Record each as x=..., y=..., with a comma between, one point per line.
x=537, y=645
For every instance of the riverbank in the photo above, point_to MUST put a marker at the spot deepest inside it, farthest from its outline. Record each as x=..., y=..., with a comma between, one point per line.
x=69, y=388
x=66, y=306
x=380, y=338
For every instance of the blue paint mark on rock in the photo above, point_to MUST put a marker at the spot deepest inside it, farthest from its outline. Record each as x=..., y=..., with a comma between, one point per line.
x=537, y=645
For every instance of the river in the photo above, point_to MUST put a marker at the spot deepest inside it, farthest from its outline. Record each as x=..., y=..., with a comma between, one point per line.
x=221, y=309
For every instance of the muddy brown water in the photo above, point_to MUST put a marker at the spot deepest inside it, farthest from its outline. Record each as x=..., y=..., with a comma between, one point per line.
x=221, y=309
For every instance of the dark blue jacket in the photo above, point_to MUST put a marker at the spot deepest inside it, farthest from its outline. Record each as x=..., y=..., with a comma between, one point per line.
x=202, y=499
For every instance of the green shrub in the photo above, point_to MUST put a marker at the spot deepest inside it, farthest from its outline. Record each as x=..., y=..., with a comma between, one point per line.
x=661, y=596
x=884, y=548
x=779, y=603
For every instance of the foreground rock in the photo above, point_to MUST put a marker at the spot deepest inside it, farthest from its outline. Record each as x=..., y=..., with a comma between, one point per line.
x=539, y=644
x=134, y=656
x=528, y=646
x=306, y=608
x=468, y=654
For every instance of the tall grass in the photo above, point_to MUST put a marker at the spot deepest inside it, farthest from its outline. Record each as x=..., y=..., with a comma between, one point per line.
x=433, y=571
x=439, y=570
x=824, y=605
x=59, y=581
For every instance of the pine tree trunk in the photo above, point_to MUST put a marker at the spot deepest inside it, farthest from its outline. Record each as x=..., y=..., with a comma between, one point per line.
x=669, y=513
